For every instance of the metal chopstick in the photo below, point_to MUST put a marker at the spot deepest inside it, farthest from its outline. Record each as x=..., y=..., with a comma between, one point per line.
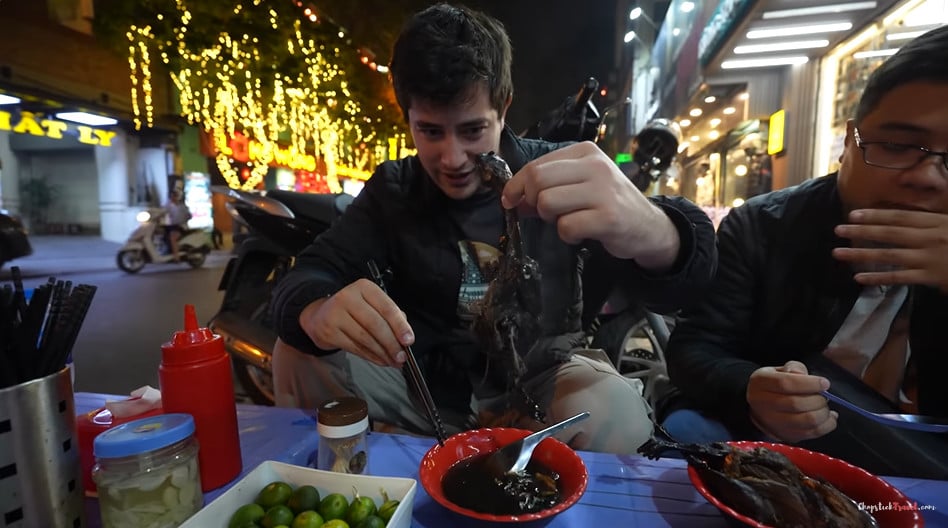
x=417, y=379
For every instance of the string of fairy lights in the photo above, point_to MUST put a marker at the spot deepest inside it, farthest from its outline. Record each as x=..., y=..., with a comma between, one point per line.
x=229, y=89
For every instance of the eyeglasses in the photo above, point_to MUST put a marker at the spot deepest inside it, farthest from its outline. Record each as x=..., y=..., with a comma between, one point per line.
x=893, y=155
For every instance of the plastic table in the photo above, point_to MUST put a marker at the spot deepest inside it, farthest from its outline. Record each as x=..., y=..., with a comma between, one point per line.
x=623, y=490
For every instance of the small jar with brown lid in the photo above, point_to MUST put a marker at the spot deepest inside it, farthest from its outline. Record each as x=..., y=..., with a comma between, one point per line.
x=343, y=424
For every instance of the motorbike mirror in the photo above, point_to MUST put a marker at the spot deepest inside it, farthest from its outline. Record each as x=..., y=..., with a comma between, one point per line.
x=658, y=144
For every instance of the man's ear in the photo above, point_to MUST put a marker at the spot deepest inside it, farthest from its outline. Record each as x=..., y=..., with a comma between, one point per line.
x=503, y=114
x=850, y=126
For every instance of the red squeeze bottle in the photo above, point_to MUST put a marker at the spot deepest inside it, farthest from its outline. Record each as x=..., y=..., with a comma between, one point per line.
x=195, y=378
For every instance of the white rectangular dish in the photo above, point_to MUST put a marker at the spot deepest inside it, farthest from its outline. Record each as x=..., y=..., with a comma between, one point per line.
x=218, y=512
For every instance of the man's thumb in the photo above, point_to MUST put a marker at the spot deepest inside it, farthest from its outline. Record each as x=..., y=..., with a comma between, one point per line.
x=793, y=367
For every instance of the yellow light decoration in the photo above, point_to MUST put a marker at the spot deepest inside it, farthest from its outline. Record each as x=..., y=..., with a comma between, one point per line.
x=225, y=88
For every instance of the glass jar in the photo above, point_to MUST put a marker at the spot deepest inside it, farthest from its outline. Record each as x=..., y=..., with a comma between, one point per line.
x=147, y=472
x=343, y=424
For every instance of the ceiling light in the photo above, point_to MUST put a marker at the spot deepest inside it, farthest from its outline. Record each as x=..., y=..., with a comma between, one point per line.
x=875, y=53
x=763, y=63
x=781, y=46
x=695, y=112
x=687, y=7
x=743, y=96
x=8, y=99
x=710, y=99
x=85, y=118
x=716, y=121
x=799, y=30
x=905, y=35
x=685, y=122
x=818, y=10
x=729, y=110
x=695, y=138
x=714, y=134
x=635, y=13
x=629, y=36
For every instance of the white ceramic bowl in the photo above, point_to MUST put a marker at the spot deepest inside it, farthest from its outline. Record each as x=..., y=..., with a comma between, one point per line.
x=218, y=512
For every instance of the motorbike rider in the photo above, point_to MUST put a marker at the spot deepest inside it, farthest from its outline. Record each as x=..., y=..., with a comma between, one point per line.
x=342, y=335
x=177, y=215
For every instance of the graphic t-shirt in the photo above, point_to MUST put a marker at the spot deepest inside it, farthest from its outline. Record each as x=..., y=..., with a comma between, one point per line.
x=480, y=222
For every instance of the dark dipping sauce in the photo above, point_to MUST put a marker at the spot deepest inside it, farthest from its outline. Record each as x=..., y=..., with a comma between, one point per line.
x=470, y=485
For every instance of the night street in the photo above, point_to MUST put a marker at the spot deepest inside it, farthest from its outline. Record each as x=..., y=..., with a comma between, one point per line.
x=119, y=344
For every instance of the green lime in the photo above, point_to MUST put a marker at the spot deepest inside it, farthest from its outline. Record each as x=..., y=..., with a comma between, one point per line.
x=276, y=516
x=334, y=506
x=248, y=514
x=336, y=523
x=372, y=521
x=304, y=498
x=308, y=519
x=387, y=509
x=359, y=510
x=273, y=494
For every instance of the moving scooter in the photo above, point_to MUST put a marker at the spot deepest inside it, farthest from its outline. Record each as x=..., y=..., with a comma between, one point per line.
x=148, y=244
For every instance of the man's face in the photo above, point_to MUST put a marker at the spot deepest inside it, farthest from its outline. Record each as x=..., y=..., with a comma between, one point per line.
x=913, y=114
x=449, y=137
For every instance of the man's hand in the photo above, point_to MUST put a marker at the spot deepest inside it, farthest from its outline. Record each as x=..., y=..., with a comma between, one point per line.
x=785, y=403
x=918, y=252
x=585, y=194
x=360, y=319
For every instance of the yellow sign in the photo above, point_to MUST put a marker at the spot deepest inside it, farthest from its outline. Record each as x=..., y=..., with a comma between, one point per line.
x=775, y=132
x=30, y=123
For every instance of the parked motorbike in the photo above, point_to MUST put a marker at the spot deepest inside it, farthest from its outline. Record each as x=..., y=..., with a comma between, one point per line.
x=634, y=338
x=274, y=227
x=148, y=244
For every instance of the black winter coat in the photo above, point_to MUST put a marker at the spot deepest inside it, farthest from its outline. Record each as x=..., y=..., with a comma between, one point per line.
x=779, y=295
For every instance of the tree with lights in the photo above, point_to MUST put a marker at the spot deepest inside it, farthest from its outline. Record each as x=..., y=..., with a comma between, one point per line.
x=290, y=86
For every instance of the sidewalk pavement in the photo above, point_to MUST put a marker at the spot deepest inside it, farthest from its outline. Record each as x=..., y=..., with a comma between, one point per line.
x=55, y=255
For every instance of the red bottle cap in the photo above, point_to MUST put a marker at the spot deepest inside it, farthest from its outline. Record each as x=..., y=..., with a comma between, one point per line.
x=193, y=344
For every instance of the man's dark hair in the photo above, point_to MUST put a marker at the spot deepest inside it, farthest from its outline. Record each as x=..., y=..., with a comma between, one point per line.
x=444, y=51
x=923, y=59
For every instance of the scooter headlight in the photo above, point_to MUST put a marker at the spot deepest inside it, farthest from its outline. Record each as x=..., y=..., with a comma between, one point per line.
x=143, y=217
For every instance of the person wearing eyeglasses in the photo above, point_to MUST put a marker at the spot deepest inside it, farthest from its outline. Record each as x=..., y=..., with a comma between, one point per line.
x=839, y=283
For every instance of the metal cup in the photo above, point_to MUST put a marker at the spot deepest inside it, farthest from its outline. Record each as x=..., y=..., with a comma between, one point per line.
x=40, y=483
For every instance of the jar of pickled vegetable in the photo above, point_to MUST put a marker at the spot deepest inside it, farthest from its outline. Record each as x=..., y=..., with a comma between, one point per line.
x=147, y=472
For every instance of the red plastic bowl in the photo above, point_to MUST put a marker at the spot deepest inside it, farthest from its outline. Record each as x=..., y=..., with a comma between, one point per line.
x=552, y=453
x=860, y=485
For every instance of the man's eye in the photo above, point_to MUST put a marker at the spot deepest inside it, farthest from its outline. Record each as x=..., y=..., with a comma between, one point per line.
x=896, y=148
x=474, y=131
x=430, y=132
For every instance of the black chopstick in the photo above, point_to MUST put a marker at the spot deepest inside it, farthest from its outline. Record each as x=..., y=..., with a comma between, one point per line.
x=37, y=337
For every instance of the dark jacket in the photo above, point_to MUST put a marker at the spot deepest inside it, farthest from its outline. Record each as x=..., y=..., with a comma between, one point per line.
x=779, y=295
x=402, y=222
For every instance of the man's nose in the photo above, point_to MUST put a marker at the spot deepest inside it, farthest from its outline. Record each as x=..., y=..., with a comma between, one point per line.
x=454, y=155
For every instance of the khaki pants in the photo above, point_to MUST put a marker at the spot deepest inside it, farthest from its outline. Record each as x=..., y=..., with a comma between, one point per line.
x=619, y=419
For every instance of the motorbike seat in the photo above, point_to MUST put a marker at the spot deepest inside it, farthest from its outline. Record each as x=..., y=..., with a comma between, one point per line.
x=322, y=207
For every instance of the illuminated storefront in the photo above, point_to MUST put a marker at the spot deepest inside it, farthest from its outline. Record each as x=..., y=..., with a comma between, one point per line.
x=845, y=71
x=72, y=172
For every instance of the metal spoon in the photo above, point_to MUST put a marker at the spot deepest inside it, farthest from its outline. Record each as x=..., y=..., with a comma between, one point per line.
x=513, y=458
x=916, y=422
